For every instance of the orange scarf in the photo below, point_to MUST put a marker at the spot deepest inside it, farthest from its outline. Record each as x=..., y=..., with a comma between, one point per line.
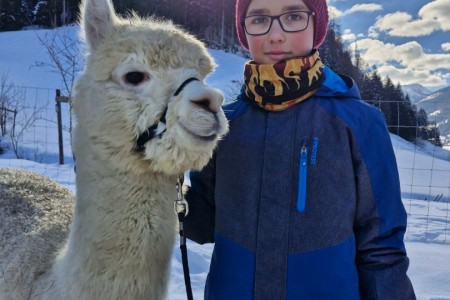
x=279, y=86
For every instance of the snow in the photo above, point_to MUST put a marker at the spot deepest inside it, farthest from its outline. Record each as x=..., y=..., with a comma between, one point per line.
x=416, y=92
x=431, y=97
x=435, y=113
x=424, y=171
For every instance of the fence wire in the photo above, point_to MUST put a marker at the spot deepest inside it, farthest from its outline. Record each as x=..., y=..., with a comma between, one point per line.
x=424, y=168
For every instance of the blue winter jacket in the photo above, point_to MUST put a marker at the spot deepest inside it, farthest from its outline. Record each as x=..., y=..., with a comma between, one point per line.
x=303, y=203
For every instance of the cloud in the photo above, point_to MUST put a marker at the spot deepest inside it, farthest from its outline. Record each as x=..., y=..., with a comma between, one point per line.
x=348, y=36
x=407, y=76
x=446, y=46
x=431, y=17
x=409, y=59
x=334, y=13
x=367, y=7
x=410, y=54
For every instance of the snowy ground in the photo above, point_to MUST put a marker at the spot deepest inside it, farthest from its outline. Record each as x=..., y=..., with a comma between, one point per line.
x=424, y=172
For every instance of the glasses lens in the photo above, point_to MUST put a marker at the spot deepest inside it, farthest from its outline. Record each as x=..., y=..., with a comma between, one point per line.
x=257, y=24
x=294, y=21
x=290, y=22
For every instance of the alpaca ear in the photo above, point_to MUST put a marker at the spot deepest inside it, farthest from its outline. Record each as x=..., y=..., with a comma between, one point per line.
x=97, y=18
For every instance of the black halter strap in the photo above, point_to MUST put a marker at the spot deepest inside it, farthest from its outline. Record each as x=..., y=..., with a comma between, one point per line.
x=186, y=82
x=152, y=131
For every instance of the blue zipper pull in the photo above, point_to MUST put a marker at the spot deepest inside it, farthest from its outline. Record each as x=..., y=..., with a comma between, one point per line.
x=303, y=173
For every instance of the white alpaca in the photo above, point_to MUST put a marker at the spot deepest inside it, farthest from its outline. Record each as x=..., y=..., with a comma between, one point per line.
x=123, y=230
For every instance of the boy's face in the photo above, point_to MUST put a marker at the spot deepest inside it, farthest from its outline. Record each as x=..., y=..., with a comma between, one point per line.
x=277, y=45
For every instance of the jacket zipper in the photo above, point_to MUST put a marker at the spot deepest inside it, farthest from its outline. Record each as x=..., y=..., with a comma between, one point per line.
x=303, y=174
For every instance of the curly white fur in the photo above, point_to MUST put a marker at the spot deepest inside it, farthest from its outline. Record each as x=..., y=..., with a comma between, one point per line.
x=123, y=230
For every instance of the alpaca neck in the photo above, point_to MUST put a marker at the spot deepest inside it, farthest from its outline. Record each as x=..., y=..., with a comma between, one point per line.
x=123, y=200
x=123, y=228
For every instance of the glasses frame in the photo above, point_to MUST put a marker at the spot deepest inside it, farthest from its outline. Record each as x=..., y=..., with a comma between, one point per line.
x=309, y=13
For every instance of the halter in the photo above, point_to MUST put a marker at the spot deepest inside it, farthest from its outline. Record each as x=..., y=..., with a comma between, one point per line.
x=159, y=127
x=181, y=207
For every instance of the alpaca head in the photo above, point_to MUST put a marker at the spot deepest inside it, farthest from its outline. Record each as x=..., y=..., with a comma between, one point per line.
x=144, y=78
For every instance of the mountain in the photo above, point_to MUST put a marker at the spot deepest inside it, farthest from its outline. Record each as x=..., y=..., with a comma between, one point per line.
x=416, y=92
x=437, y=106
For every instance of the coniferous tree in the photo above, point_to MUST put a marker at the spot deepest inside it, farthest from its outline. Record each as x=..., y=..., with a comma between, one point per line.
x=359, y=69
x=11, y=15
x=331, y=47
x=46, y=14
x=373, y=89
x=389, y=106
x=422, y=124
x=426, y=130
x=408, y=114
x=334, y=54
x=434, y=135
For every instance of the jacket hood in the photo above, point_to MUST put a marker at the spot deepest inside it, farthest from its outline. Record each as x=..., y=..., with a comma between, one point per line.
x=337, y=86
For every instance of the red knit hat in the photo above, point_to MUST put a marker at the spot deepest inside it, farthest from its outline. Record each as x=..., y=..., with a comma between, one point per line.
x=319, y=7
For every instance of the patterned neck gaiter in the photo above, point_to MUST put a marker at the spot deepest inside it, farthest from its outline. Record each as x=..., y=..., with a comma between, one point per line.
x=279, y=86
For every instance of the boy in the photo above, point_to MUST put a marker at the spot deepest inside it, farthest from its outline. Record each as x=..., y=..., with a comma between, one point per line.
x=302, y=197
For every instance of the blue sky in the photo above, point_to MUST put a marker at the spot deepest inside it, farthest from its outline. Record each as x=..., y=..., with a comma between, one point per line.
x=408, y=40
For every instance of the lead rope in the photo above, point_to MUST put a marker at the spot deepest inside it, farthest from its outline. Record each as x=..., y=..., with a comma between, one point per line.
x=181, y=209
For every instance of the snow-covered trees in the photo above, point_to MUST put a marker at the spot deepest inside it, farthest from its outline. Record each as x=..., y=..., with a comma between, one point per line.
x=16, y=14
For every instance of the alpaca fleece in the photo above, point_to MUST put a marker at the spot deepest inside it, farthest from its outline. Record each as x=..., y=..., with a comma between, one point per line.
x=123, y=227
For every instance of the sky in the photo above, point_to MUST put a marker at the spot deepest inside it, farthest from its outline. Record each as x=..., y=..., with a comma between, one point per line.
x=424, y=172
x=407, y=40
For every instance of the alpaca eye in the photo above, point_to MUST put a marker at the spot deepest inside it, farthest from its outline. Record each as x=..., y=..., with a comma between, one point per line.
x=135, y=78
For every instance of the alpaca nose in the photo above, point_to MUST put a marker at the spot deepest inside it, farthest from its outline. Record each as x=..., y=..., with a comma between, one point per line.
x=203, y=103
x=211, y=103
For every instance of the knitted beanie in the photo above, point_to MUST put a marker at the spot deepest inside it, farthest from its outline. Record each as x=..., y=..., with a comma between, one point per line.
x=319, y=7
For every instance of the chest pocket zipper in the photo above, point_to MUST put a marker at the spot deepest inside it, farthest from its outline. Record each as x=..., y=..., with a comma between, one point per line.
x=303, y=174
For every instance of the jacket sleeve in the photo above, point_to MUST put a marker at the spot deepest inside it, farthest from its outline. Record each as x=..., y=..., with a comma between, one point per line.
x=199, y=224
x=380, y=222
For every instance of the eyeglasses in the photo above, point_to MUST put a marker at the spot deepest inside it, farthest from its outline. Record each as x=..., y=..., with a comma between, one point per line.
x=292, y=21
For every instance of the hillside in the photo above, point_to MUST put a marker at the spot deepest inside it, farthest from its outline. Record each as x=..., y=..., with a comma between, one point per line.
x=416, y=92
x=437, y=106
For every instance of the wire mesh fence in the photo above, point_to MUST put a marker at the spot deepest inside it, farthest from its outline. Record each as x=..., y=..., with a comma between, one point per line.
x=37, y=141
x=424, y=168
x=30, y=141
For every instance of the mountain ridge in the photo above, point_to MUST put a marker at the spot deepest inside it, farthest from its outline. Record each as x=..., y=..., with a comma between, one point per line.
x=437, y=107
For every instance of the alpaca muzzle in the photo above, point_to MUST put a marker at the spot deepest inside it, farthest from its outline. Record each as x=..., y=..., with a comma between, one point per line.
x=159, y=127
